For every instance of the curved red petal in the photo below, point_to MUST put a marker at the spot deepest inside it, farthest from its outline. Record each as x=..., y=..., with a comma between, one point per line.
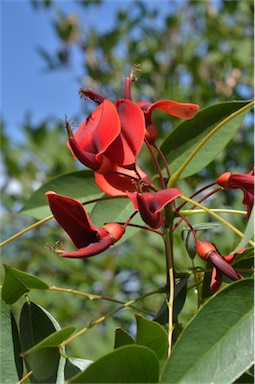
x=73, y=218
x=223, y=265
x=158, y=200
x=90, y=250
x=125, y=149
x=182, y=110
x=99, y=130
x=120, y=180
x=150, y=204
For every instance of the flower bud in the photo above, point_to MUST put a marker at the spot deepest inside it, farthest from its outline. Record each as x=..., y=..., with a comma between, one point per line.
x=115, y=230
x=204, y=249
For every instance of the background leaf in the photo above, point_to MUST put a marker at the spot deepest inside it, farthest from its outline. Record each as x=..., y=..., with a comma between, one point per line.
x=8, y=372
x=181, y=142
x=128, y=364
x=16, y=283
x=217, y=345
x=85, y=189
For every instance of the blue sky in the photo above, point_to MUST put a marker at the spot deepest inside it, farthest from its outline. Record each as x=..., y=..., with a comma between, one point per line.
x=26, y=88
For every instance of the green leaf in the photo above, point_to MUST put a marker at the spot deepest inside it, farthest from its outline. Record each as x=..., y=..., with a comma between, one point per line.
x=85, y=189
x=180, y=293
x=152, y=335
x=122, y=338
x=35, y=326
x=8, y=372
x=248, y=233
x=128, y=364
x=182, y=141
x=217, y=345
x=16, y=283
x=53, y=340
x=17, y=347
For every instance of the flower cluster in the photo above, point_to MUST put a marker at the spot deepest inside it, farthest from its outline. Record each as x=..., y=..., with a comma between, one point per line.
x=108, y=142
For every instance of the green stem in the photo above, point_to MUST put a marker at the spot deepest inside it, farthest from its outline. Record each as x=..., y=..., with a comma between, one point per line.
x=217, y=217
x=95, y=297
x=170, y=286
x=37, y=224
x=188, y=212
x=177, y=174
x=109, y=314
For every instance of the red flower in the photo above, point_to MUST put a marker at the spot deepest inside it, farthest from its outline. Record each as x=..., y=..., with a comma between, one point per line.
x=120, y=180
x=243, y=181
x=182, y=110
x=112, y=135
x=150, y=204
x=73, y=218
x=207, y=251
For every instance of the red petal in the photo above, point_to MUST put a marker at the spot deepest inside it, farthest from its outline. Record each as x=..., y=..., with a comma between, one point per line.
x=150, y=204
x=73, y=218
x=158, y=200
x=183, y=110
x=91, y=250
x=99, y=130
x=223, y=265
x=115, y=183
x=126, y=147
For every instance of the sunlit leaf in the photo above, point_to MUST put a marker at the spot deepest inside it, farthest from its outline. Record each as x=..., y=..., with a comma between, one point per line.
x=217, y=345
x=182, y=141
x=128, y=364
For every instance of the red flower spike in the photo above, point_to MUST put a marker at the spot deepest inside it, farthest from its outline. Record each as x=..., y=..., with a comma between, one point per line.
x=73, y=218
x=119, y=180
x=245, y=182
x=92, y=139
x=207, y=251
x=150, y=204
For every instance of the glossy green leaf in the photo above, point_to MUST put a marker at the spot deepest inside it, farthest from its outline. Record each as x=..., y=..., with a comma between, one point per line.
x=248, y=233
x=128, y=364
x=53, y=340
x=85, y=189
x=8, y=372
x=122, y=338
x=152, y=335
x=35, y=326
x=16, y=283
x=182, y=141
x=217, y=345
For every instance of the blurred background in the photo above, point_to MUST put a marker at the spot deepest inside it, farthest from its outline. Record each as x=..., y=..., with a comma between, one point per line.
x=188, y=51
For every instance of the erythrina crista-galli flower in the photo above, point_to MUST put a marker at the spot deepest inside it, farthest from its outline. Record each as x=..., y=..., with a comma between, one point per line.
x=245, y=182
x=73, y=218
x=151, y=204
x=208, y=252
x=112, y=135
